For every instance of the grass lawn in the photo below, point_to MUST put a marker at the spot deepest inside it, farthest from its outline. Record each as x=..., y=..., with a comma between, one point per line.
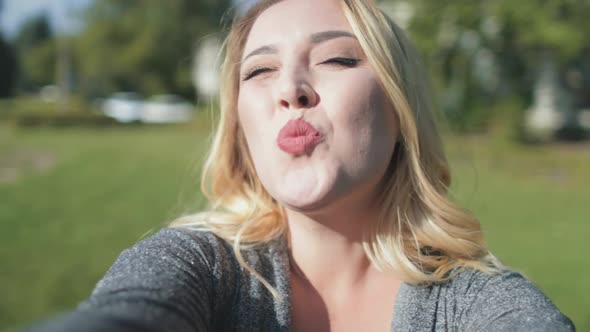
x=533, y=203
x=71, y=200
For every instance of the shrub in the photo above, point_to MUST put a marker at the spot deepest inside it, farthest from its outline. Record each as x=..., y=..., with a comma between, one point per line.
x=63, y=119
x=35, y=112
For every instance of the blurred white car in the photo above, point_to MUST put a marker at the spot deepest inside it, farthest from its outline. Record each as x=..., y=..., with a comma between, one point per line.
x=123, y=106
x=166, y=109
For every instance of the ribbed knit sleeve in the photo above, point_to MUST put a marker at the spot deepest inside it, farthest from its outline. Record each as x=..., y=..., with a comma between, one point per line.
x=175, y=280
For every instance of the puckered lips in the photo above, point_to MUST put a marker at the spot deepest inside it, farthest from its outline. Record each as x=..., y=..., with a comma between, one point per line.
x=298, y=136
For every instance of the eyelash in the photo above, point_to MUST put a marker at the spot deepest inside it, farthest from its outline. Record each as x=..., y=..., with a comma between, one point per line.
x=345, y=62
x=256, y=71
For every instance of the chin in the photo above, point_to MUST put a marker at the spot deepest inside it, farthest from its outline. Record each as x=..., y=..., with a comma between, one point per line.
x=301, y=188
x=297, y=195
x=301, y=204
x=305, y=202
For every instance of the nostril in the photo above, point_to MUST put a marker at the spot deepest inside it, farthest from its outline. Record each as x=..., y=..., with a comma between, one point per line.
x=303, y=101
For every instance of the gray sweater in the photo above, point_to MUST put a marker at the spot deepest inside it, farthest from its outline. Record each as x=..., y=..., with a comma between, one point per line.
x=182, y=280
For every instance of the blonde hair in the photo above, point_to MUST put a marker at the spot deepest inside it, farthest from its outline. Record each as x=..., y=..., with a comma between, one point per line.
x=421, y=234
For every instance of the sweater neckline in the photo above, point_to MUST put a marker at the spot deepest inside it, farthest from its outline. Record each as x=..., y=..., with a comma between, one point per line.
x=402, y=308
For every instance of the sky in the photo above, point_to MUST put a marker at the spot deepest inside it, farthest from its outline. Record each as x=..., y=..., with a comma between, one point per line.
x=15, y=12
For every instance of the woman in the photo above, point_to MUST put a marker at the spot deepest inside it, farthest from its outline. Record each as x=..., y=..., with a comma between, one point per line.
x=327, y=183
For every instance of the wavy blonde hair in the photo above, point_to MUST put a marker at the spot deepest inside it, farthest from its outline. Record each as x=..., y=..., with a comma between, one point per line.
x=421, y=234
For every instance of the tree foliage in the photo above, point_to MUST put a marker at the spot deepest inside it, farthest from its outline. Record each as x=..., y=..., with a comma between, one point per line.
x=8, y=65
x=36, y=47
x=144, y=46
x=511, y=38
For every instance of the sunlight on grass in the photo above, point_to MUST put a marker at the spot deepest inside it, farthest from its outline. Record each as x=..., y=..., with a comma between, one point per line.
x=62, y=226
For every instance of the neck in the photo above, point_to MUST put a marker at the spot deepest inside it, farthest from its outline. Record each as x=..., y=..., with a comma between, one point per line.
x=327, y=246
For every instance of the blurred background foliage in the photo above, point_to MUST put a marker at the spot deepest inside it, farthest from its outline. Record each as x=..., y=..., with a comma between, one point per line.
x=485, y=55
x=78, y=184
x=145, y=46
x=142, y=46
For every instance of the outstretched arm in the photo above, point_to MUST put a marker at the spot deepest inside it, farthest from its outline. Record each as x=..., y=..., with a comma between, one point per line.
x=172, y=281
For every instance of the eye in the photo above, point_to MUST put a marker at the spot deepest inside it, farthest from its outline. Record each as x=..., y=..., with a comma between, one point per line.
x=255, y=72
x=343, y=62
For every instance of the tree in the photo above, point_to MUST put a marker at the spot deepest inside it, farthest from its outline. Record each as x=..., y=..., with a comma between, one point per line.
x=37, y=53
x=481, y=50
x=143, y=46
x=8, y=64
x=8, y=70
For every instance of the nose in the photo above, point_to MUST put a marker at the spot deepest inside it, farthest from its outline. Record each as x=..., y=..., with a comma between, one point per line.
x=297, y=94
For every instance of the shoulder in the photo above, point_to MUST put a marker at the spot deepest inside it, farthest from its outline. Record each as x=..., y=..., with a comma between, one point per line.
x=184, y=245
x=182, y=239
x=234, y=293
x=171, y=251
x=473, y=300
x=505, y=300
x=467, y=283
x=175, y=277
x=171, y=265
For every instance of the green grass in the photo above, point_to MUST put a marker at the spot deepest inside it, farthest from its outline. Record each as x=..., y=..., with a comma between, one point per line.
x=79, y=197
x=533, y=203
x=61, y=228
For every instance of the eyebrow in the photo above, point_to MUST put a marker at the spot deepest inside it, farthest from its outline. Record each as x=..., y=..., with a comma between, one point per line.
x=268, y=49
x=323, y=36
x=316, y=38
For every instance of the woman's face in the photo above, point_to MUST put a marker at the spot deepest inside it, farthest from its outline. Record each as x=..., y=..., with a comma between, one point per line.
x=316, y=120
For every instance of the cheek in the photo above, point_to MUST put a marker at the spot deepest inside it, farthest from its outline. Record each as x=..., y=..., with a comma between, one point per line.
x=370, y=126
x=383, y=121
x=254, y=116
x=382, y=128
x=365, y=132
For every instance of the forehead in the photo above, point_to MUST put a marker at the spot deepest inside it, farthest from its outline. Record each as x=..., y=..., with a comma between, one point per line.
x=294, y=20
